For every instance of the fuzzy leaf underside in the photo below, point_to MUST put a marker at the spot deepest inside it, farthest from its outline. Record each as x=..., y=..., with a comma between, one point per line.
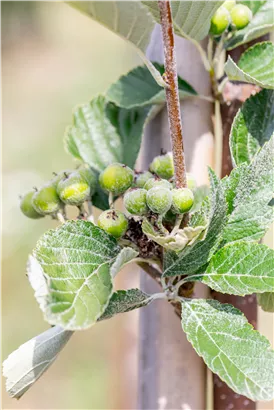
x=24, y=366
x=194, y=257
x=177, y=242
x=249, y=190
x=240, y=268
x=190, y=18
x=262, y=23
x=103, y=133
x=75, y=260
x=124, y=301
x=252, y=126
x=255, y=66
x=230, y=347
x=138, y=88
x=266, y=301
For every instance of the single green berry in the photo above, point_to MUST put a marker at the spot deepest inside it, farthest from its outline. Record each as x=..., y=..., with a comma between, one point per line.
x=182, y=200
x=220, y=21
x=116, y=178
x=27, y=207
x=113, y=222
x=141, y=179
x=135, y=201
x=163, y=166
x=157, y=182
x=159, y=200
x=191, y=182
x=46, y=200
x=90, y=177
x=74, y=189
x=241, y=16
x=229, y=4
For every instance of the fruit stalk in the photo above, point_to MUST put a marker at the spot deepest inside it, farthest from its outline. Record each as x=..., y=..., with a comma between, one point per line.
x=172, y=94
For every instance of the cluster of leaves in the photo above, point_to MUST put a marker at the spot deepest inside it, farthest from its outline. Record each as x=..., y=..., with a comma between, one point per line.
x=72, y=268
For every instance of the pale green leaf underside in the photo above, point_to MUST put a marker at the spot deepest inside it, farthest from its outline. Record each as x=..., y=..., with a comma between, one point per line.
x=26, y=364
x=266, y=301
x=124, y=301
x=252, y=126
x=250, y=214
x=241, y=268
x=190, y=18
x=125, y=256
x=76, y=259
x=230, y=347
x=182, y=238
x=255, y=66
x=138, y=88
x=194, y=257
x=262, y=23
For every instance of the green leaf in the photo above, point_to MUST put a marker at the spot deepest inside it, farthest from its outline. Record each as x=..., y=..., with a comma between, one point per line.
x=190, y=18
x=124, y=301
x=138, y=88
x=252, y=126
x=76, y=261
x=102, y=134
x=128, y=19
x=230, y=347
x=255, y=66
x=194, y=257
x=241, y=268
x=25, y=365
x=266, y=301
x=262, y=23
x=249, y=190
x=174, y=242
x=200, y=194
x=125, y=256
x=254, y=5
x=129, y=124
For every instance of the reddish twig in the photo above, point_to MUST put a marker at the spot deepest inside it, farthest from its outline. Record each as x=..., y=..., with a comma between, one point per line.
x=172, y=94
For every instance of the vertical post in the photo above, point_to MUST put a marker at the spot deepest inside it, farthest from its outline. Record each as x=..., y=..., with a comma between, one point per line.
x=171, y=375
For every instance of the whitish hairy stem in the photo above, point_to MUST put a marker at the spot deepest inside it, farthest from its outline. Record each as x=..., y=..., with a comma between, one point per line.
x=60, y=217
x=90, y=217
x=176, y=227
x=172, y=94
x=218, y=132
x=111, y=200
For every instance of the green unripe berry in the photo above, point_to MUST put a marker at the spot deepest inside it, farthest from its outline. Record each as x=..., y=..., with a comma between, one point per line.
x=113, y=222
x=182, y=200
x=159, y=200
x=46, y=200
x=229, y=4
x=241, y=16
x=191, y=182
x=74, y=189
x=220, y=21
x=142, y=178
x=27, y=208
x=116, y=178
x=157, y=182
x=163, y=166
x=135, y=201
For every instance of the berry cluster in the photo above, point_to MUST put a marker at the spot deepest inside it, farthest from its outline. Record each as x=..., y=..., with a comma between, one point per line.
x=66, y=188
x=145, y=194
x=230, y=14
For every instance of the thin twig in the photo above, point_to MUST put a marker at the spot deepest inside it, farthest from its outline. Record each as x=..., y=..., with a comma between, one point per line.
x=151, y=271
x=172, y=95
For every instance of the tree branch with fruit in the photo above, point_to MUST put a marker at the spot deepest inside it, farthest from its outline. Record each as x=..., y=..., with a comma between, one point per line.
x=178, y=232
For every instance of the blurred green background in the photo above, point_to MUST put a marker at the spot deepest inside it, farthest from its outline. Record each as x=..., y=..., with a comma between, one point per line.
x=54, y=58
